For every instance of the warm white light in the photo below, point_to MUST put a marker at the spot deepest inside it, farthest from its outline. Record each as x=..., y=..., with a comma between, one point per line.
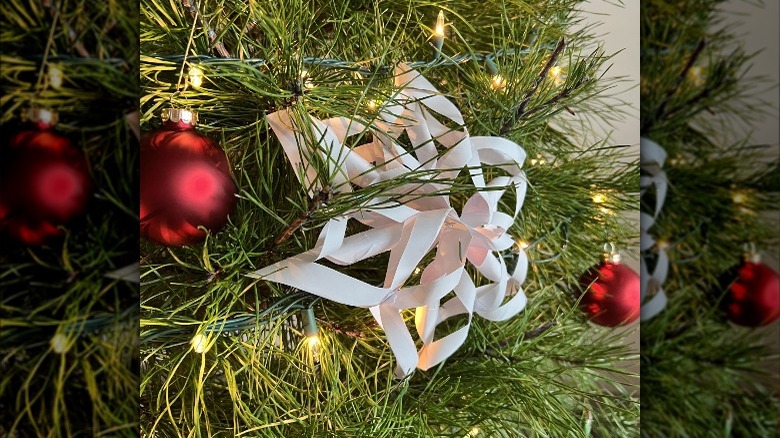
x=599, y=198
x=200, y=343
x=555, y=75
x=696, y=75
x=59, y=343
x=739, y=197
x=663, y=244
x=538, y=160
x=55, y=76
x=522, y=244
x=196, y=76
x=473, y=432
x=498, y=82
x=307, y=82
x=372, y=105
x=676, y=160
x=313, y=346
x=439, y=29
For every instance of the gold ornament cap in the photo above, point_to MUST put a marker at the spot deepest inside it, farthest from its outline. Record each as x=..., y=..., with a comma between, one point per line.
x=610, y=254
x=43, y=117
x=180, y=116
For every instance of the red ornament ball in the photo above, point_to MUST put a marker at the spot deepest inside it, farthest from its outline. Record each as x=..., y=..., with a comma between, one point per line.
x=45, y=183
x=611, y=295
x=753, y=298
x=185, y=183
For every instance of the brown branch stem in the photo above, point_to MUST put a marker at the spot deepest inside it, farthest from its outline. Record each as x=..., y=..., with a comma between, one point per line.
x=520, y=110
x=217, y=45
x=680, y=79
x=316, y=202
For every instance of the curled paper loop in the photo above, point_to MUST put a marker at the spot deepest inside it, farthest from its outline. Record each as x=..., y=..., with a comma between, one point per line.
x=416, y=221
x=652, y=158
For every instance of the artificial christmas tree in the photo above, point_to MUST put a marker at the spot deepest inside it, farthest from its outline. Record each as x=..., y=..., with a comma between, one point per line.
x=367, y=282
x=68, y=311
x=701, y=374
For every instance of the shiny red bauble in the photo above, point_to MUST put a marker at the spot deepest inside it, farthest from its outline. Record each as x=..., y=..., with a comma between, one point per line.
x=611, y=295
x=45, y=183
x=753, y=297
x=185, y=184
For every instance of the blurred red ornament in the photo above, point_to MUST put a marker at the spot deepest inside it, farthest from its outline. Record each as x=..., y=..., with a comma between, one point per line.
x=753, y=297
x=185, y=183
x=611, y=295
x=45, y=183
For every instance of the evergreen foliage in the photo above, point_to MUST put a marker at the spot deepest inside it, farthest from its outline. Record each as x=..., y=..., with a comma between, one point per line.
x=258, y=377
x=57, y=294
x=701, y=375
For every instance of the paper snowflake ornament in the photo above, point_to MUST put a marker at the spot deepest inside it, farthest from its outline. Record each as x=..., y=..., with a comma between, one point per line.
x=412, y=221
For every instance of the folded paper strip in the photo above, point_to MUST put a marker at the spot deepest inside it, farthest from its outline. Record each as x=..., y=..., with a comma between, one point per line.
x=412, y=221
x=652, y=157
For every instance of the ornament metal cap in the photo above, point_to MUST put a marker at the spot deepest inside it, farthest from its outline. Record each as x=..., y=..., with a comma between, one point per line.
x=43, y=117
x=610, y=254
x=750, y=254
x=180, y=115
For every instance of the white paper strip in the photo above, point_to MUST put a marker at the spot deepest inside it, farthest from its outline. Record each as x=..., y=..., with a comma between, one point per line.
x=130, y=273
x=418, y=222
x=652, y=158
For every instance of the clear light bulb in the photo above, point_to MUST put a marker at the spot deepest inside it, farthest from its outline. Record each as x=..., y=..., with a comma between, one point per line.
x=200, y=344
x=696, y=75
x=55, y=76
x=555, y=75
x=59, y=343
x=599, y=198
x=196, y=76
x=497, y=82
x=439, y=29
x=739, y=197
x=306, y=80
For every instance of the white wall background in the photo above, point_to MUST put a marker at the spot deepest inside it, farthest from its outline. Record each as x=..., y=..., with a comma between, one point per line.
x=619, y=30
x=757, y=26
x=760, y=27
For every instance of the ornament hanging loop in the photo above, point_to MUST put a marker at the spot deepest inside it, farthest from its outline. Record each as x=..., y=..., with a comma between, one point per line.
x=749, y=253
x=611, y=254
